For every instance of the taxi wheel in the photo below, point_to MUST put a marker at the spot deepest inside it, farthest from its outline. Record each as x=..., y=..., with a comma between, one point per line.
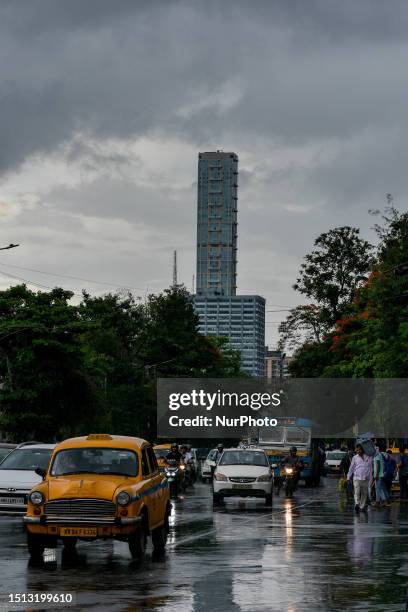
x=138, y=542
x=36, y=545
x=159, y=538
x=69, y=543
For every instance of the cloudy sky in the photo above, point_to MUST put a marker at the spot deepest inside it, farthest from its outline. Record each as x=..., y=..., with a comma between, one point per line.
x=105, y=104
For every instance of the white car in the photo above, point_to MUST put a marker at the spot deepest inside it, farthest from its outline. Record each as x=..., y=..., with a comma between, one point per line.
x=208, y=466
x=17, y=475
x=333, y=460
x=244, y=473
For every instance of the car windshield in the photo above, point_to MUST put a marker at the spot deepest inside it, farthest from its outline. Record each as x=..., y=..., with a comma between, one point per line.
x=4, y=452
x=241, y=457
x=335, y=456
x=95, y=461
x=212, y=455
x=161, y=452
x=27, y=459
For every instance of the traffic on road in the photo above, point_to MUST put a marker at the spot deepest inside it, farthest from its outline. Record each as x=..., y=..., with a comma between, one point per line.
x=115, y=523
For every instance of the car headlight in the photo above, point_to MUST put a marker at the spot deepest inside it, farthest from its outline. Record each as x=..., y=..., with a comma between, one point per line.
x=219, y=476
x=264, y=478
x=123, y=498
x=182, y=466
x=289, y=470
x=36, y=498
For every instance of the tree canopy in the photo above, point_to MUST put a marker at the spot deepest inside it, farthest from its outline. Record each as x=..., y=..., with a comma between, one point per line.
x=361, y=310
x=66, y=369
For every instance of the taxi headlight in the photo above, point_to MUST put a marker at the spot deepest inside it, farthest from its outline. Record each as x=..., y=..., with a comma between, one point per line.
x=219, y=476
x=123, y=498
x=264, y=478
x=36, y=498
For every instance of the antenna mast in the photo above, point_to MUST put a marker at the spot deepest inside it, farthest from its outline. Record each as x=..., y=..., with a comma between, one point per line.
x=175, y=269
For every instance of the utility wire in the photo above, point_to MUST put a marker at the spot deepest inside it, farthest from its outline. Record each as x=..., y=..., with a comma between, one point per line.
x=35, y=284
x=86, y=280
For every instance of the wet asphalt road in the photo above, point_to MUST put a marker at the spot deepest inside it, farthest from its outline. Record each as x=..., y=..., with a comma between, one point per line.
x=307, y=554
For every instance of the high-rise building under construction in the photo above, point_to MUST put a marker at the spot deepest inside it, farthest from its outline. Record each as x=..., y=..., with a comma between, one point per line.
x=240, y=318
x=217, y=223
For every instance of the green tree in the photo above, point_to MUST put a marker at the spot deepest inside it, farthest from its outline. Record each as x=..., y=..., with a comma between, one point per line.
x=372, y=340
x=332, y=272
x=44, y=381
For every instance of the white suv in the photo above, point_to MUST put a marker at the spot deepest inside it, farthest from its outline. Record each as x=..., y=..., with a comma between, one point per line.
x=244, y=473
x=17, y=475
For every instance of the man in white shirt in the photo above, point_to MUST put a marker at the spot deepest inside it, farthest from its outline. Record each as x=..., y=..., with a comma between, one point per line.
x=361, y=470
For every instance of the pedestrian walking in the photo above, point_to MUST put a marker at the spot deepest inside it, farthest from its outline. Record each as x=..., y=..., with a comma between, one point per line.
x=344, y=468
x=381, y=494
x=361, y=470
x=390, y=467
x=403, y=475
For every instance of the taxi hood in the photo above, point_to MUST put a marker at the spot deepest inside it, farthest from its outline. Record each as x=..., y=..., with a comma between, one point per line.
x=85, y=485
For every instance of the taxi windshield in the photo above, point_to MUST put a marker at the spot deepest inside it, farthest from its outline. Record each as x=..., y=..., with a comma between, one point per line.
x=161, y=452
x=95, y=461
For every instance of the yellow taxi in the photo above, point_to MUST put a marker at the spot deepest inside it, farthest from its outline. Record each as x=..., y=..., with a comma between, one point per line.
x=161, y=451
x=99, y=487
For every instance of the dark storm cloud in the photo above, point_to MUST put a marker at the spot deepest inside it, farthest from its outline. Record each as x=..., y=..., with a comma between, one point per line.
x=311, y=94
x=308, y=69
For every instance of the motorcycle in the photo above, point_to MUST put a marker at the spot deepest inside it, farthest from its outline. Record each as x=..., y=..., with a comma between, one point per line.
x=290, y=480
x=174, y=473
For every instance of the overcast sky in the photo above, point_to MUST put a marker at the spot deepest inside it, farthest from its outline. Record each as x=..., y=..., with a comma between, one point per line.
x=104, y=106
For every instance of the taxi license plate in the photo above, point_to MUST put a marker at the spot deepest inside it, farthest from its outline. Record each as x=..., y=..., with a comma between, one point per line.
x=242, y=486
x=78, y=532
x=11, y=500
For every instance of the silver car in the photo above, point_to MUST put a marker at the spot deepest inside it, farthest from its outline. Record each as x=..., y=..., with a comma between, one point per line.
x=17, y=475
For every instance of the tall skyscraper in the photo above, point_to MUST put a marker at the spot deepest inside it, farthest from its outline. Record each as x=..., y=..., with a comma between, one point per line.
x=217, y=223
x=240, y=318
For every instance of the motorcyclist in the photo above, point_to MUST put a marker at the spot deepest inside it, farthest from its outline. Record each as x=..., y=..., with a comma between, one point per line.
x=187, y=459
x=294, y=461
x=174, y=454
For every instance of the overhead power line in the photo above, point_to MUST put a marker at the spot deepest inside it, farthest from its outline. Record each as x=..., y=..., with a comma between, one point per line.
x=57, y=275
x=34, y=283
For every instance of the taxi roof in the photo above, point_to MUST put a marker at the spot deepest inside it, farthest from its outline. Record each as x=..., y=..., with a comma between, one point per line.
x=103, y=440
x=158, y=446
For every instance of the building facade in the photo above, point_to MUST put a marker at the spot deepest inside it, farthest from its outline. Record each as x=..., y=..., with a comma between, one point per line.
x=217, y=224
x=241, y=319
x=276, y=364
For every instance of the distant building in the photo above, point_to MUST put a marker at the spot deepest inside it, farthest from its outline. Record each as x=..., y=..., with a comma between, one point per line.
x=217, y=224
x=276, y=364
x=241, y=319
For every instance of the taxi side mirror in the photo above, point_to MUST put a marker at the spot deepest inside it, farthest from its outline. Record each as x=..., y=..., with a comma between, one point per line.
x=41, y=472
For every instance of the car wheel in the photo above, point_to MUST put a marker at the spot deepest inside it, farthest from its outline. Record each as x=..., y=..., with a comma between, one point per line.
x=36, y=545
x=268, y=499
x=138, y=542
x=159, y=535
x=217, y=498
